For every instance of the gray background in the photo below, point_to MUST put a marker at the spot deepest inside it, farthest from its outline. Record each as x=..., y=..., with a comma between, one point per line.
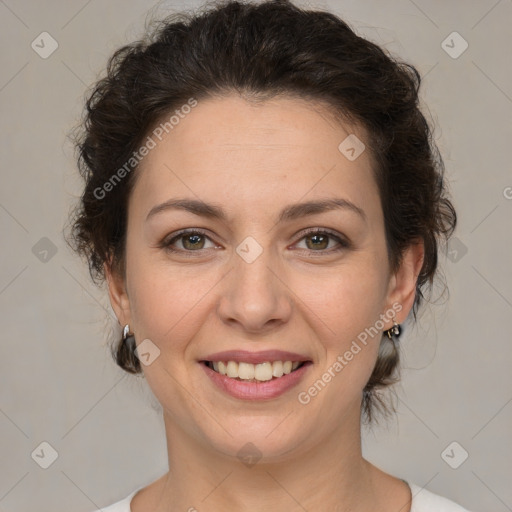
x=58, y=383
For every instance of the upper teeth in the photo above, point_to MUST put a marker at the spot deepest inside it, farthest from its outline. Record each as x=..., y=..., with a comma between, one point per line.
x=260, y=371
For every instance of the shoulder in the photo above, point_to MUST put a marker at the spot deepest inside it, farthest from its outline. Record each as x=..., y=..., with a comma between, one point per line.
x=120, y=506
x=426, y=501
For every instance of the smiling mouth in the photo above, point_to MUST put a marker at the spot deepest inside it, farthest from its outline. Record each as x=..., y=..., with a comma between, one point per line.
x=261, y=372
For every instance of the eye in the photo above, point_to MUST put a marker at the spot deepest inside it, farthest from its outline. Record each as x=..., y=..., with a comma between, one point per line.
x=191, y=240
x=318, y=240
x=194, y=240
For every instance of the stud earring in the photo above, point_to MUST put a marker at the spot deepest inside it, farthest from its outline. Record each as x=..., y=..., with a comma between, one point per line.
x=394, y=331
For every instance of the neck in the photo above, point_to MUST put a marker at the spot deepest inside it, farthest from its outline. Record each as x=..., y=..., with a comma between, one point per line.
x=331, y=475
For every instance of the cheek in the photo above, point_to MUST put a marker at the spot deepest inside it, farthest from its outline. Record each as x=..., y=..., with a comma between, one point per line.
x=349, y=342
x=346, y=300
x=167, y=303
x=346, y=307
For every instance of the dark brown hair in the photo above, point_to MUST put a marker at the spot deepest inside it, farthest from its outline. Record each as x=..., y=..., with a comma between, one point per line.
x=263, y=50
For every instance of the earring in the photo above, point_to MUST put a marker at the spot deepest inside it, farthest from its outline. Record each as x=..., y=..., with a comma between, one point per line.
x=126, y=356
x=394, y=331
x=128, y=338
x=126, y=332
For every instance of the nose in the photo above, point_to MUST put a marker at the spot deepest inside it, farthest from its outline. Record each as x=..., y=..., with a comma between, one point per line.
x=255, y=297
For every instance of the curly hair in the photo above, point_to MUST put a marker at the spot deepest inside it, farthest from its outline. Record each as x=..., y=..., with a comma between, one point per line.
x=263, y=50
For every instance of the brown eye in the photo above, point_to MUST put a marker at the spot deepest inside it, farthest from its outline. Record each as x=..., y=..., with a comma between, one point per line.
x=190, y=241
x=319, y=240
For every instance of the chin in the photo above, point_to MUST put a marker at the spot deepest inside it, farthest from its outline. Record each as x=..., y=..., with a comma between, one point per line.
x=255, y=438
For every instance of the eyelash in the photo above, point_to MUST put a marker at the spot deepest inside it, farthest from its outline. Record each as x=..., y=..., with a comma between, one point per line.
x=342, y=243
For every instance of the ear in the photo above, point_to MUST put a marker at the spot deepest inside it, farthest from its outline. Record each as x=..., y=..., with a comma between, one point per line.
x=402, y=285
x=118, y=294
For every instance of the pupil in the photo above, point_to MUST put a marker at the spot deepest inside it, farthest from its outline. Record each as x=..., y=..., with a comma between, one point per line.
x=318, y=238
x=193, y=237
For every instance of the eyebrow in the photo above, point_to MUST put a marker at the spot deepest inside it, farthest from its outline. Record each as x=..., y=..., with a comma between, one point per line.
x=290, y=212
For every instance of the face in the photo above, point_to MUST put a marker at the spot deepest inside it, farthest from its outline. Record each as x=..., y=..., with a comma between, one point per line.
x=258, y=275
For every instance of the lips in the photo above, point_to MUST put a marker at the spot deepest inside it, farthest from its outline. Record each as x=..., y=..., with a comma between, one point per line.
x=255, y=375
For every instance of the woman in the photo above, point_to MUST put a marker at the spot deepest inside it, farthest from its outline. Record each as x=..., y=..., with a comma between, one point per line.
x=265, y=202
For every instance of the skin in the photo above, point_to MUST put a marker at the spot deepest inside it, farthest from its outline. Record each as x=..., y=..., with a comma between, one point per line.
x=252, y=161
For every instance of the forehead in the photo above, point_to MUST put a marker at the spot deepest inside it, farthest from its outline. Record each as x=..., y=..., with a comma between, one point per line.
x=229, y=149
